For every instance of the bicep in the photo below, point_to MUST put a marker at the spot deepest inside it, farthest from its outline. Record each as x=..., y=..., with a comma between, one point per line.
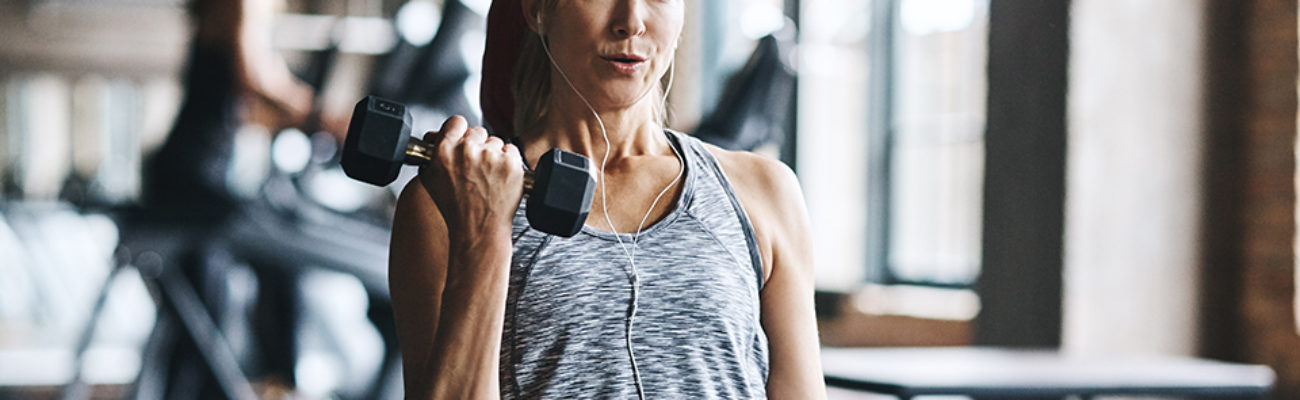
x=788, y=315
x=417, y=270
x=788, y=318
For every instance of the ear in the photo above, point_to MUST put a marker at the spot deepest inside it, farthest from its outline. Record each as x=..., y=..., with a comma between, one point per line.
x=532, y=15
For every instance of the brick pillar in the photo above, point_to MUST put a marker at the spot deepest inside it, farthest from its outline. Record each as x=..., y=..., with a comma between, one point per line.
x=1250, y=217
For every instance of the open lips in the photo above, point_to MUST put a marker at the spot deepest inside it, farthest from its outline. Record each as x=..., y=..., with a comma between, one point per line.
x=625, y=63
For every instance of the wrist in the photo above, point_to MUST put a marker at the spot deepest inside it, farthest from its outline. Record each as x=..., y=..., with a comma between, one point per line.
x=478, y=231
x=479, y=255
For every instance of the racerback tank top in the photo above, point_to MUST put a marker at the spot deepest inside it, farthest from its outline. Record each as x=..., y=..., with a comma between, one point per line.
x=696, y=332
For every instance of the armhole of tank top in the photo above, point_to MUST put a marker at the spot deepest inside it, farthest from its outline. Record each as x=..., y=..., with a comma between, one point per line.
x=751, y=239
x=512, y=305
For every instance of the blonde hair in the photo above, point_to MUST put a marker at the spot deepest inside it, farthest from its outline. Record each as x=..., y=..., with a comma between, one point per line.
x=531, y=84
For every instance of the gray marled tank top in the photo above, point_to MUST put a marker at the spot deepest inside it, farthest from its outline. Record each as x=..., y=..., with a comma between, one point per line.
x=696, y=331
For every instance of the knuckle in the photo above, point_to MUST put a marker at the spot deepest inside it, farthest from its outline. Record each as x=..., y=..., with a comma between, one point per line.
x=478, y=134
x=446, y=151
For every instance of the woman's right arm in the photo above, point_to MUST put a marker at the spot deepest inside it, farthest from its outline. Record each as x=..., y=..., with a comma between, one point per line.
x=449, y=265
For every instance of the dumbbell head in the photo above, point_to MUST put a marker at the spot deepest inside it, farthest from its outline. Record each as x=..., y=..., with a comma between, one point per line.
x=375, y=148
x=561, y=195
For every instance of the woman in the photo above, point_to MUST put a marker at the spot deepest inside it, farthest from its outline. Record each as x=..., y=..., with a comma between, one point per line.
x=230, y=70
x=692, y=277
x=232, y=78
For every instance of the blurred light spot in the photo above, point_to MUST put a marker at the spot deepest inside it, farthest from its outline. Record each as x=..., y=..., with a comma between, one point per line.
x=318, y=374
x=291, y=151
x=366, y=35
x=471, y=47
x=479, y=6
x=356, y=345
x=249, y=166
x=110, y=365
x=760, y=20
x=923, y=17
x=335, y=190
x=324, y=147
x=417, y=22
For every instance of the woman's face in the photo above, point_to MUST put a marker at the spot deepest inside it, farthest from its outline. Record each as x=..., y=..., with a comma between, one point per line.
x=614, y=51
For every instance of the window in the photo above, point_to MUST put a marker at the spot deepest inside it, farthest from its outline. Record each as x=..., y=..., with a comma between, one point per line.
x=833, y=151
x=936, y=141
x=891, y=122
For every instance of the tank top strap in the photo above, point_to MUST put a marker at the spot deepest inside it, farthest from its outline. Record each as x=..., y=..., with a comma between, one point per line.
x=699, y=158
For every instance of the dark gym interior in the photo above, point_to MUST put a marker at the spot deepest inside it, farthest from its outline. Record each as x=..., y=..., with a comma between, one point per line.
x=1069, y=186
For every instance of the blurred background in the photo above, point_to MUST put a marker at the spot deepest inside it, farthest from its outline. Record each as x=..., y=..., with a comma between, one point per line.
x=1094, y=176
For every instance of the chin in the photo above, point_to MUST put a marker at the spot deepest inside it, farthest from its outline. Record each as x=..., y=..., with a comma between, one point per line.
x=623, y=98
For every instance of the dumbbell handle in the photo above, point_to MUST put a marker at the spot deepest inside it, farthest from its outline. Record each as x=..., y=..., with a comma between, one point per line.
x=419, y=152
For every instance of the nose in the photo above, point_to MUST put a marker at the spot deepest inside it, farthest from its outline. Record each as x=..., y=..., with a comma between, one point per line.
x=629, y=19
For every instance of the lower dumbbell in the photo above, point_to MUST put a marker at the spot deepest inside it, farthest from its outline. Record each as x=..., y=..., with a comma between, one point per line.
x=379, y=143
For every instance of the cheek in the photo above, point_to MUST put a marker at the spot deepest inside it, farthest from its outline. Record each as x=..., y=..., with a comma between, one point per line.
x=669, y=53
x=665, y=64
x=672, y=22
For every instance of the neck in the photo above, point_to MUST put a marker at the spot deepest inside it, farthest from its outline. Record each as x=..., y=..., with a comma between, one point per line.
x=570, y=125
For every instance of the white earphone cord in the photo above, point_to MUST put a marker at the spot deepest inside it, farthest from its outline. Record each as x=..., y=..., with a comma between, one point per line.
x=604, y=204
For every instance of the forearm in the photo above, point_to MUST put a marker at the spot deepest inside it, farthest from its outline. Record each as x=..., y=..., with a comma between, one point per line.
x=270, y=80
x=465, y=356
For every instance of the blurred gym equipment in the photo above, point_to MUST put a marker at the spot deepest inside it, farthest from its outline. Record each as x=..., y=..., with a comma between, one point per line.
x=755, y=104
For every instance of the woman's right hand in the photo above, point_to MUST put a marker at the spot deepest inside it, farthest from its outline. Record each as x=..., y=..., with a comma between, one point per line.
x=449, y=266
x=475, y=179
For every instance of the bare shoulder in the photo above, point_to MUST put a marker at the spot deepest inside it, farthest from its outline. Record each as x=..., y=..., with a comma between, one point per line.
x=772, y=198
x=757, y=176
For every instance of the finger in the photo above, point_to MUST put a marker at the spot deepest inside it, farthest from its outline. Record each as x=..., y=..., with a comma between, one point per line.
x=494, y=144
x=476, y=135
x=454, y=129
x=449, y=137
x=513, y=155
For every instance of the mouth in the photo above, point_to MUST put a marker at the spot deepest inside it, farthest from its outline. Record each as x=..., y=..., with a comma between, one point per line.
x=626, y=63
x=624, y=58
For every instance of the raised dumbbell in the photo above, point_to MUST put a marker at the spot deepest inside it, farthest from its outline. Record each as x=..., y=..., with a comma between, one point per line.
x=379, y=142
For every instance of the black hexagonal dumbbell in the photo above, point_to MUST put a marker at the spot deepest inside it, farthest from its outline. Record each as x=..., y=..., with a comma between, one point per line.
x=379, y=142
